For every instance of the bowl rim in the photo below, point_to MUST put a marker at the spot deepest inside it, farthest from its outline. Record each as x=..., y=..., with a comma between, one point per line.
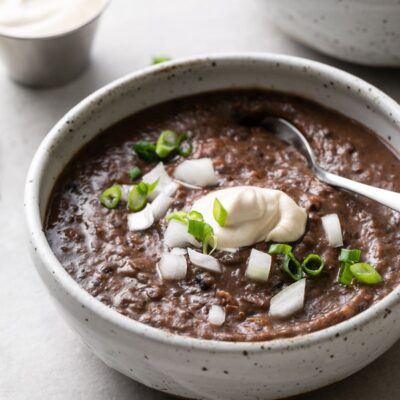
x=60, y=34
x=55, y=270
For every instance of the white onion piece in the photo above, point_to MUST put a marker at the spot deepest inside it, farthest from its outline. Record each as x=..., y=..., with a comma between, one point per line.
x=204, y=261
x=126, y=189
x=178, y=251
x=216, y=315
x=160, y=205
x=258, y=266
x=141, y=220
x=198, y=172
x=289, y=300
x=170, y=188
x=333, y=230
x=172, y=267
x=176, y=235
x=187, y=185
x=158, y=172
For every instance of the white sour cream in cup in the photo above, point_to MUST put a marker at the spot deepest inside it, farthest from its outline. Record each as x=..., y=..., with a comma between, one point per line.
x=41, y=18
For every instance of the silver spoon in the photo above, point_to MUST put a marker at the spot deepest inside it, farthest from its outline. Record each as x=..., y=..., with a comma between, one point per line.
x=290, y=134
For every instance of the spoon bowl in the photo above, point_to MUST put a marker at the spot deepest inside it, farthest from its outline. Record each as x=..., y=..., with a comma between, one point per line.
x=291, y=135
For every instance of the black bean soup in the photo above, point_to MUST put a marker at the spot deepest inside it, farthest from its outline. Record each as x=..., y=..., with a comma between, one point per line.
x=119, y=267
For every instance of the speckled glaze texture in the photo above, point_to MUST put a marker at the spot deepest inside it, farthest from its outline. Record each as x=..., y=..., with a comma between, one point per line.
x=361, y=31
x=194, y=368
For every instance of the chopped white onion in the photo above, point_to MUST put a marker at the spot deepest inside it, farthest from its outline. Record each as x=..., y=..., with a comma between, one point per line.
x=216, y=315
x=258, y=266
x=126, y=189
x=198, y=172
x=158, y=172
x=333, y=230
x=204, y=261
x=172, y=267
x=289, y=300
x=141, y=220
x=170, y=188
x=178, y=251
x=176, y=235
x=188, y=185
x=160, y=205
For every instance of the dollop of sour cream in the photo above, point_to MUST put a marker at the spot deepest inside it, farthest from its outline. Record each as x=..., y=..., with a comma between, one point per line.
x=35, y=18
x=254, y=215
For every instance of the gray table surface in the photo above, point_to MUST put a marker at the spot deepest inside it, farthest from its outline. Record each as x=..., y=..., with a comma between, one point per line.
x=40, y=357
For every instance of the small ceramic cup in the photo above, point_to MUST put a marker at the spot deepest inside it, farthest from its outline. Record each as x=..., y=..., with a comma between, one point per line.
x=184, y=366
x=49, y=60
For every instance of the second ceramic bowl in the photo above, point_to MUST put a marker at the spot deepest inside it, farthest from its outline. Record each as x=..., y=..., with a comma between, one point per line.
x=361, y=31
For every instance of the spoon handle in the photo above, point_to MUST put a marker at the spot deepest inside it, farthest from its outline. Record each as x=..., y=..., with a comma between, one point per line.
x=386, y=197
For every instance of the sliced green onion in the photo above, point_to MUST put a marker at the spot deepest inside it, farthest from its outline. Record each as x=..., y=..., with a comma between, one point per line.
x=195, y=215
x=152, y=186
x=166, y=143
x=181, y=216
x=184, y=145
x=365, y=273
x=111, y=197
x=350, y=255
x=292, y=267
x=280, y=249
x=134, y=173
x=143, y=188
x=159, y=59
x=219, y=213
x=202, y=232
x=347, y=258
x=313, y=265
x=196, y=229
x=145, y=150
x=137, y=198
x=209, y=239
x=345, y=275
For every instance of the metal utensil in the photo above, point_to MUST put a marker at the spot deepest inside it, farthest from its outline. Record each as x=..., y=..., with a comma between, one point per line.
x=290, y=134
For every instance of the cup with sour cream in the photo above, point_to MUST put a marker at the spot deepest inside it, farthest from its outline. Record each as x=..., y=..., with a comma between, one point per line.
x=47, y=42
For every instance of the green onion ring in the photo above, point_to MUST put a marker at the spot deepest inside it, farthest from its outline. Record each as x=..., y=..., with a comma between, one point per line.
x=151, y=187
x=347, y=257
x=365, y=273
x=196, y=229
x=280, y=248
x=166, y=143
x=350, y=255
x=111, y=197
x=184, y=145
x=145, y=150
x=219, y=213
x=134, y=173
x=313, y=265
x=181, y=216
x=292, y=266
x=137, y=198
x=195, y=215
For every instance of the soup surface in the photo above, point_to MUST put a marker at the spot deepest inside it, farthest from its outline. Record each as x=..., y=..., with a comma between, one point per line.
x=119, y=267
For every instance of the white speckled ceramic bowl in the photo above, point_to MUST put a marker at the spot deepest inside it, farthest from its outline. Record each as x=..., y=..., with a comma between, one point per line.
x=193, y=368
x=360, y=31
